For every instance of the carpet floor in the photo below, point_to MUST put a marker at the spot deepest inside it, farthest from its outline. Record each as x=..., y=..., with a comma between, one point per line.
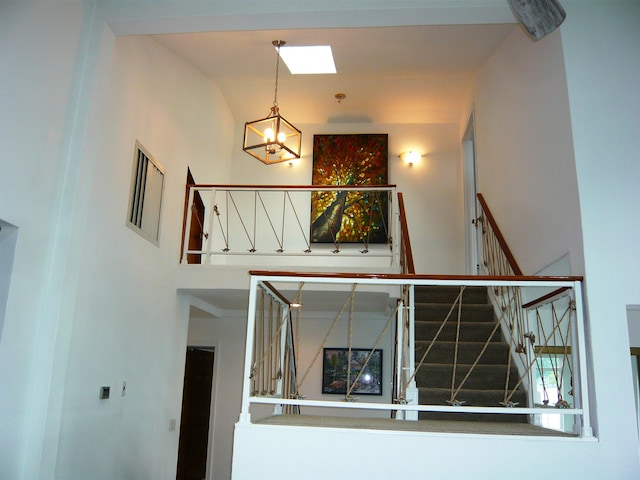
x=441, y=426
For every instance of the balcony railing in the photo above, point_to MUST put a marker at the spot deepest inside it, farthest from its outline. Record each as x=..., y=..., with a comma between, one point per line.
x=222, y=221
x=319, y=311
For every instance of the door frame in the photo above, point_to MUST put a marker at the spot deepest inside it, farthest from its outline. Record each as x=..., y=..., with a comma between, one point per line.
x=470, y=188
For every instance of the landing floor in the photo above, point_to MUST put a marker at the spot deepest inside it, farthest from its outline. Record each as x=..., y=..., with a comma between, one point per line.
x=441, y=426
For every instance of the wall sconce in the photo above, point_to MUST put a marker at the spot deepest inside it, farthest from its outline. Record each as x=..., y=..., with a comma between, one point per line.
x=292, y=162
x=410, y=157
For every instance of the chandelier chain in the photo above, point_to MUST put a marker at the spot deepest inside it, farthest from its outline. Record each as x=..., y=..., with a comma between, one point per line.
x=278, y=44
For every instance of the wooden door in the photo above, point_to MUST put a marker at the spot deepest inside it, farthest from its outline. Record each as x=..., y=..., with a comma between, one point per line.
x=196, y=229
x=196, y=408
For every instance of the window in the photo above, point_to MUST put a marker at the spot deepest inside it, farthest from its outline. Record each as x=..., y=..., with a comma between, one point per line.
x=145, y=201
x=553, y=385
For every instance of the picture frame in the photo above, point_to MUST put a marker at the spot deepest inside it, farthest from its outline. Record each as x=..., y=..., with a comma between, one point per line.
x=335, y=362
x=350, y=216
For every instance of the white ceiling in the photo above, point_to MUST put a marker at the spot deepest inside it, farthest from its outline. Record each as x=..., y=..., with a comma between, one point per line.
x=415, y=74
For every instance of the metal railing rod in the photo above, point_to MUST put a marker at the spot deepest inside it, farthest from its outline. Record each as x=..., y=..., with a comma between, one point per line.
x=420, y=408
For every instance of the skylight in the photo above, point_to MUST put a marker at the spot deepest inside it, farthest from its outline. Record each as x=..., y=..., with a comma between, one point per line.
x=308, y=60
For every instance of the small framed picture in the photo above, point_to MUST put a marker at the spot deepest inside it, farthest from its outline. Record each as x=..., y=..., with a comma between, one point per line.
x=367, y=375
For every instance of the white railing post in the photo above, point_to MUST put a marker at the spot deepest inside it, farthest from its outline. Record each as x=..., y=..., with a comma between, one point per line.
x=245, y=416
x=187, y=227
x=412, y=389
x=400, y=357
x=284, y=332
x=212, y=218
x=531, y=375
x=579, y=356
x=394, y=229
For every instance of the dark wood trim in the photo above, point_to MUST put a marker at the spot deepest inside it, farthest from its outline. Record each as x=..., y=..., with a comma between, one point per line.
x=295, y=187
x=275, y=291
x=406, y=242
x=635, y=351
x=503, y=243
x=397, y=276
x=184, y=219
x=546, y=297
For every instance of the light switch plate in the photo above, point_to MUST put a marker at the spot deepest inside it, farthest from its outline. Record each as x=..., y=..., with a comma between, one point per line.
x=104, y=392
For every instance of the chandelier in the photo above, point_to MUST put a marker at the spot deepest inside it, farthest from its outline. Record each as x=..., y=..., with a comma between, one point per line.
x=272, y=139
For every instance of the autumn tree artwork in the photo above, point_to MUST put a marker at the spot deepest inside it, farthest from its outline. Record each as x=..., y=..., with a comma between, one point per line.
x=349, y=216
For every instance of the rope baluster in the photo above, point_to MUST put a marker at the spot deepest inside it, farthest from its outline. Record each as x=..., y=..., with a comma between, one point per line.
x=224, y=234
x=531, y=364
x=373, y=349
x=273, y=229
x=331, y=328
x=453, y=399
x=435, y=337
x=295, y=213
x=244, y=227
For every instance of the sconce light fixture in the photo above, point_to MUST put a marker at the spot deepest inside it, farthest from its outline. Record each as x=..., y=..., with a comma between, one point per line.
x=410, y=157
x=272, y=139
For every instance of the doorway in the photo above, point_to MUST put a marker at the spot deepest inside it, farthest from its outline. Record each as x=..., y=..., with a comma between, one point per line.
x=196, y=229
x=470, y=193
x=193, y=445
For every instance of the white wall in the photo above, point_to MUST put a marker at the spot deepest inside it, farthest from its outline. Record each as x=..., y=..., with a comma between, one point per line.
x=34, y=126
x=525, y=161
x=127, y=322
x=604, y=100
x=58, y=88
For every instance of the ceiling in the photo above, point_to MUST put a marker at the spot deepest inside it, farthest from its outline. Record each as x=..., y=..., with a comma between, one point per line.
x=413, y=74
x=390, y=75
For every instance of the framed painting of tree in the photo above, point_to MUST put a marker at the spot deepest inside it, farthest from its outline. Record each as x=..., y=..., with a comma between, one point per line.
x=349, y=216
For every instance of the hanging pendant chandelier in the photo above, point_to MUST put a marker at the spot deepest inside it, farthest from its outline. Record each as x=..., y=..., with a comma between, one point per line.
x=272, y=139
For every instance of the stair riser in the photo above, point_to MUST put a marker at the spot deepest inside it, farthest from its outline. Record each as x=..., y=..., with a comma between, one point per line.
x=468, y=332
x=449, y=294
x=473, y=417
x=441, y=312
x=443, y=352
x=476, y=398
x=482, y=376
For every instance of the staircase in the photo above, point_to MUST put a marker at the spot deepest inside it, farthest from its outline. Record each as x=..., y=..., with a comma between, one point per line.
x=485, y=386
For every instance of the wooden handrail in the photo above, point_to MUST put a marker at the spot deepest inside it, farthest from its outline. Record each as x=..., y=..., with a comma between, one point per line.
x=292, y=187
x=406, y=242
x=503, y=243
x=399, y=276
x=276, y=293
x=544, y=298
